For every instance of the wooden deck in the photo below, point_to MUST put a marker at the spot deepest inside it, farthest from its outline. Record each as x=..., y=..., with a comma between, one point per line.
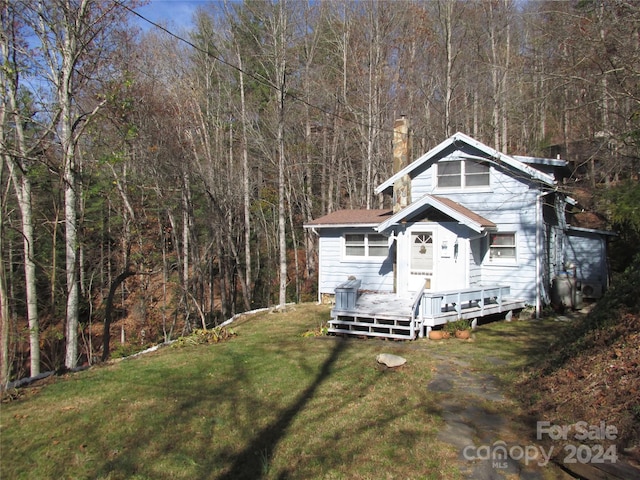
x=391, y=316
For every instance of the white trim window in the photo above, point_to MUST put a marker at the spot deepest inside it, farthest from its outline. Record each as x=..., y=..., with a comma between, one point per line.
x=462, y=174
x=502, y=247
x=365, y=245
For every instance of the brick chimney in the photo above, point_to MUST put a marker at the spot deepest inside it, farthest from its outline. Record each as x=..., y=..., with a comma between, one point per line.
x=401, y=155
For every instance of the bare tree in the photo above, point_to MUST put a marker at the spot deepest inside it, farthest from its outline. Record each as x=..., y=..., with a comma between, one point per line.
x=5, y=312
x=18, y=158
x=74, y=40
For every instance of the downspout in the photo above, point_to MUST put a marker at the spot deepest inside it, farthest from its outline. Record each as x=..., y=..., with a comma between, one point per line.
x=539, y=251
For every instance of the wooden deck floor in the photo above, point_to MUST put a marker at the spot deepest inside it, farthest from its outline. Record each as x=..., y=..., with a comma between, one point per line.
x=384, y=304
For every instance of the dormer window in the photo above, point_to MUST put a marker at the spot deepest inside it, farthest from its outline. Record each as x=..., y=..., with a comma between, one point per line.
x=462, y=174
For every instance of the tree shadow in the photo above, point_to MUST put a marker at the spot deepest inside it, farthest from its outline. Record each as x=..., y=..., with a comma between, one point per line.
x=253, y=461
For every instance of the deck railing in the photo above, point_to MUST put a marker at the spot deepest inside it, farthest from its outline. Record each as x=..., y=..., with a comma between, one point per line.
x=417, y=313
x=429, y=305
x=374, y=315
x=457, y=300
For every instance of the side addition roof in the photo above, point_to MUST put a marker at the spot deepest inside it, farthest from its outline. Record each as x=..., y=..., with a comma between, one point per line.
x=350, y=218
x=467, y=147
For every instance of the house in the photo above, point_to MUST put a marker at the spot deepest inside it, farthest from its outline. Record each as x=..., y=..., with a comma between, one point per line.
x=472, y=232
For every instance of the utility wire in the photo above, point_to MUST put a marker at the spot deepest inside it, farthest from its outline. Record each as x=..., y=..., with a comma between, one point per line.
x=255, y=77
x=259, y=78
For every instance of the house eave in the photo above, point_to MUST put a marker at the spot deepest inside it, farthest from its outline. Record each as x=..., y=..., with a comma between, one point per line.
x=340, y=225
x=593, y=231
x=550, y=162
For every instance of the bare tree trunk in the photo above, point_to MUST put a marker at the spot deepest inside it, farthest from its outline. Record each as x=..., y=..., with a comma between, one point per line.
x=495, y=80
x=5, y=369
x=108, y=311
x=165, y=279
x=294, y=242
x=70, y=200
x=373, y=104
x=186, y=226
x=72, y=26
x=282, y=238
x=23, y=192
x=280, y=63
x=71, y=252
x=224, y=279
x=448, y=14
x=245, y=188
x=334, y=180
x=22, y=185
x=504, y=90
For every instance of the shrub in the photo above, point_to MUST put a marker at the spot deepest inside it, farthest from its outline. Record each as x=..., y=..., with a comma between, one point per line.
x=204, y=337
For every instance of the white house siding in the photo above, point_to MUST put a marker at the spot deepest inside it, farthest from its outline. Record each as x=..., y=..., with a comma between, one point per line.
x=511, y=204
x=521, y=279
x=513, y=212
x=422, y=184
x=376, y=275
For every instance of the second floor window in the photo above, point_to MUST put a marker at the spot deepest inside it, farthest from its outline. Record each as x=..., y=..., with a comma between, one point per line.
x=462, y=174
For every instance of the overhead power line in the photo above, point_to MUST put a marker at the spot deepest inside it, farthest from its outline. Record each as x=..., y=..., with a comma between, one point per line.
x=258, y=78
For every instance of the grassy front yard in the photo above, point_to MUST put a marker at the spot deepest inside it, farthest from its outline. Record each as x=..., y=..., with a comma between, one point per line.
x=270, y=403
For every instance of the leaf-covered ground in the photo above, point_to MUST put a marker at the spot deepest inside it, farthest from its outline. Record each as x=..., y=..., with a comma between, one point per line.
x=592, y=373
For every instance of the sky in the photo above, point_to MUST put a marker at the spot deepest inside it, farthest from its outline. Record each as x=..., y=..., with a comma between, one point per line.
x=172, y=14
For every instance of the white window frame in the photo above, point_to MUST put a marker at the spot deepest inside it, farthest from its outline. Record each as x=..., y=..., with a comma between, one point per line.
x=499, y=254
x=462, y=176
x=366, y=244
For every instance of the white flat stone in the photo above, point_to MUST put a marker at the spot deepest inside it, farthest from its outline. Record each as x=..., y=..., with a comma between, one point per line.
x=390, y=360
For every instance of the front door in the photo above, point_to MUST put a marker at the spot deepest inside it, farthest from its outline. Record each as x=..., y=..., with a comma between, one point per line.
x=421, y=261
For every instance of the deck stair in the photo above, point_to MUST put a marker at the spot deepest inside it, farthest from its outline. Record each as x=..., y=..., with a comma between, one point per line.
x=373, y=326
x=387, y=315
x=372, y=315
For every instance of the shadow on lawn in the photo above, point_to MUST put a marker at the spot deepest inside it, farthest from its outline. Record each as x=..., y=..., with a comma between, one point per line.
x=252, y=461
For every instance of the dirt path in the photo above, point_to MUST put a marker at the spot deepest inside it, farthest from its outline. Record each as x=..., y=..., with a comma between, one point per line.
x=478, y=424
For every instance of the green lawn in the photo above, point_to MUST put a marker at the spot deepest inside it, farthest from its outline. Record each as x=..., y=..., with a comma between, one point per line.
x=269, y=403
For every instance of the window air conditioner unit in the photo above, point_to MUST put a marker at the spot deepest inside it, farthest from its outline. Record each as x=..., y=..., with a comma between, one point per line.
x=591, y=290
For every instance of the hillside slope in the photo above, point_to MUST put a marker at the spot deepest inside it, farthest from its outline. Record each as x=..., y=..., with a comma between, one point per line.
x=592, y=374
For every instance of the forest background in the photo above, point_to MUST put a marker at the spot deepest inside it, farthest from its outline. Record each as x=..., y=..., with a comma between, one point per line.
x=153, y=181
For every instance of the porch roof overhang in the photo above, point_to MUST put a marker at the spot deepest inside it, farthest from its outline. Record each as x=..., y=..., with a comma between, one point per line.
x=450, y=208
x=455, y=146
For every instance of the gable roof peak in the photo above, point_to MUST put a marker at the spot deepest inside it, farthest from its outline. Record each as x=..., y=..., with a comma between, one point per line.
x=455, y=143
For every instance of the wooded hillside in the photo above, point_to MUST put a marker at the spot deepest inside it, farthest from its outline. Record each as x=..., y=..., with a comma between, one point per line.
x=155, y=182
